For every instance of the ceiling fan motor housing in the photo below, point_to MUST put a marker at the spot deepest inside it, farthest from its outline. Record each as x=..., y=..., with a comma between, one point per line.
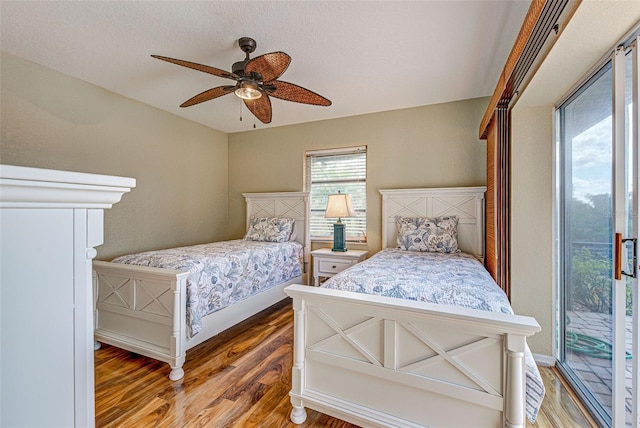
x=248, y=45
x=238, y=68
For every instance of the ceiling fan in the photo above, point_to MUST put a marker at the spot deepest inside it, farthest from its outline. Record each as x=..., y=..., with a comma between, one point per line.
x=256, y=81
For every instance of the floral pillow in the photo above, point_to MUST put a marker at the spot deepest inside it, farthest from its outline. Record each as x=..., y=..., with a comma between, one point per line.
x=437, y=234
x=270, y=229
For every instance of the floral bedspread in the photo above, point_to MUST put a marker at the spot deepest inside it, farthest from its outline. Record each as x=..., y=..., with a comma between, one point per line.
x=450, y=279
x=223, y=273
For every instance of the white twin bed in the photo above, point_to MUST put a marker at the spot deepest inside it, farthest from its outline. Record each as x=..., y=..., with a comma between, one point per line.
x=371, y=348
x=142, y=303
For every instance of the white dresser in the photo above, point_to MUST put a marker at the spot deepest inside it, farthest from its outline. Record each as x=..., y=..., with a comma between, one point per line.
x=50, y=222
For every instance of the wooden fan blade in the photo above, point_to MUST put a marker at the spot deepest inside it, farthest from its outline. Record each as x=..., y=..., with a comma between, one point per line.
x=199, y=67
x=208, y=95
x=290, y=92
x=270, y=66
x=261, y=108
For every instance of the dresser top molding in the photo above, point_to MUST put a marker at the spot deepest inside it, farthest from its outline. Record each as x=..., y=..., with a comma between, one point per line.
x=25, y=187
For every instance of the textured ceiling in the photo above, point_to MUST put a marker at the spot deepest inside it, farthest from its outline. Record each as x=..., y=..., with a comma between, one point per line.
x=366, y=56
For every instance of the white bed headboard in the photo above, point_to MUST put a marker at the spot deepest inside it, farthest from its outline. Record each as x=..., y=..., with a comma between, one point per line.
x=283, y=204
x=465, y=202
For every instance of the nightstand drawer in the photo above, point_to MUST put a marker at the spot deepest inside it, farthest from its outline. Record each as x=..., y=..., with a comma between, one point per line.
x=333, y=266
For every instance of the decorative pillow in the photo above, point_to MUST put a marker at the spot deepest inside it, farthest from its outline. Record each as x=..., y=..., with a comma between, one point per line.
x=270, y=229
x=437, y=234
x=294, y=232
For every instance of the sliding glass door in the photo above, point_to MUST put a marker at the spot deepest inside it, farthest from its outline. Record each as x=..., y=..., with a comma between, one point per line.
x=587, y=238
x=598, y=225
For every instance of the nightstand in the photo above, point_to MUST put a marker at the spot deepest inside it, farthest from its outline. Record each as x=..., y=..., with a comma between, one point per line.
x=327, y=263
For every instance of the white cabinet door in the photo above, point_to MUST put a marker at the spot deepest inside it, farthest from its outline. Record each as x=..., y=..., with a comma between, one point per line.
x=37, y=316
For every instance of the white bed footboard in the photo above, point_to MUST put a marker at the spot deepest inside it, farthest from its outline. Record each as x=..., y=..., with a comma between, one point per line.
x=142, y=309
x=378, y=361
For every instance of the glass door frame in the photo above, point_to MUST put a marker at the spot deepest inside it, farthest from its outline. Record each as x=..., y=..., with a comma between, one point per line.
x=635, y=141
x=623, y=159
x=564, y=251
x=620, y=225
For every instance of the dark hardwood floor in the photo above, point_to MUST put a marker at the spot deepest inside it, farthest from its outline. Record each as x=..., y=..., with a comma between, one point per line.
x=241, y=378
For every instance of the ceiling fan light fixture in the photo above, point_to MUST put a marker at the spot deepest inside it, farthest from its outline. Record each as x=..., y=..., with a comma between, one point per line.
x=248, y=90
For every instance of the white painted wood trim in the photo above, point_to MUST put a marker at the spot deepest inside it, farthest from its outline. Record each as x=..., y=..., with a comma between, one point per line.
x=342, y=150
x=544, y=360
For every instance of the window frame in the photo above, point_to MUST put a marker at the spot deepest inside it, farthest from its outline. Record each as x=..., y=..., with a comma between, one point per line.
x=359, y=200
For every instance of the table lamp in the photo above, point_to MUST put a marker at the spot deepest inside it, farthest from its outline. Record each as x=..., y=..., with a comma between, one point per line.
x=339, y=205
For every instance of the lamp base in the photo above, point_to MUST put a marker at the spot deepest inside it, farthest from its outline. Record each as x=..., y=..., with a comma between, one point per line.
x=339, y=243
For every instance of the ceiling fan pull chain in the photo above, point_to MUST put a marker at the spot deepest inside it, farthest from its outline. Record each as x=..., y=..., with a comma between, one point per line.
x=240, y=111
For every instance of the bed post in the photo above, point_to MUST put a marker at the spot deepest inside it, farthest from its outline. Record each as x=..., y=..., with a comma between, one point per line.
x=178, y=334
x=384, y=220
x=514, y=411
x=298, y=413
x=480, y=228
x=307, y=237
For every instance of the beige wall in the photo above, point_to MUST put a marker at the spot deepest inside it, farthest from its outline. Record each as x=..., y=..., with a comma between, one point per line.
x=532, y=220
x=430, y=146
x=50, y=120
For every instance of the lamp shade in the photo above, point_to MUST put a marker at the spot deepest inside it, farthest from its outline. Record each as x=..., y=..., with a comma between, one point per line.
x=339, y=205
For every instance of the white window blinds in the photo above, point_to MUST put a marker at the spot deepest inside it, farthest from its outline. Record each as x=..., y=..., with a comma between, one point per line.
x=330, y=171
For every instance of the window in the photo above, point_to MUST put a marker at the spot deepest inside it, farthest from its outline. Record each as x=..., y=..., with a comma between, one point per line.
x=330, y=171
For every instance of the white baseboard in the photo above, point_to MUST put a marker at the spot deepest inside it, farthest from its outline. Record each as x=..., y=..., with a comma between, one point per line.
x=544, y=360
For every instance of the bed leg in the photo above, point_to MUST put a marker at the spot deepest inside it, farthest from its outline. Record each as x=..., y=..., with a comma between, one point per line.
x=177, y=373
x=515, y=389
x=298, y=414
x=96, y=345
